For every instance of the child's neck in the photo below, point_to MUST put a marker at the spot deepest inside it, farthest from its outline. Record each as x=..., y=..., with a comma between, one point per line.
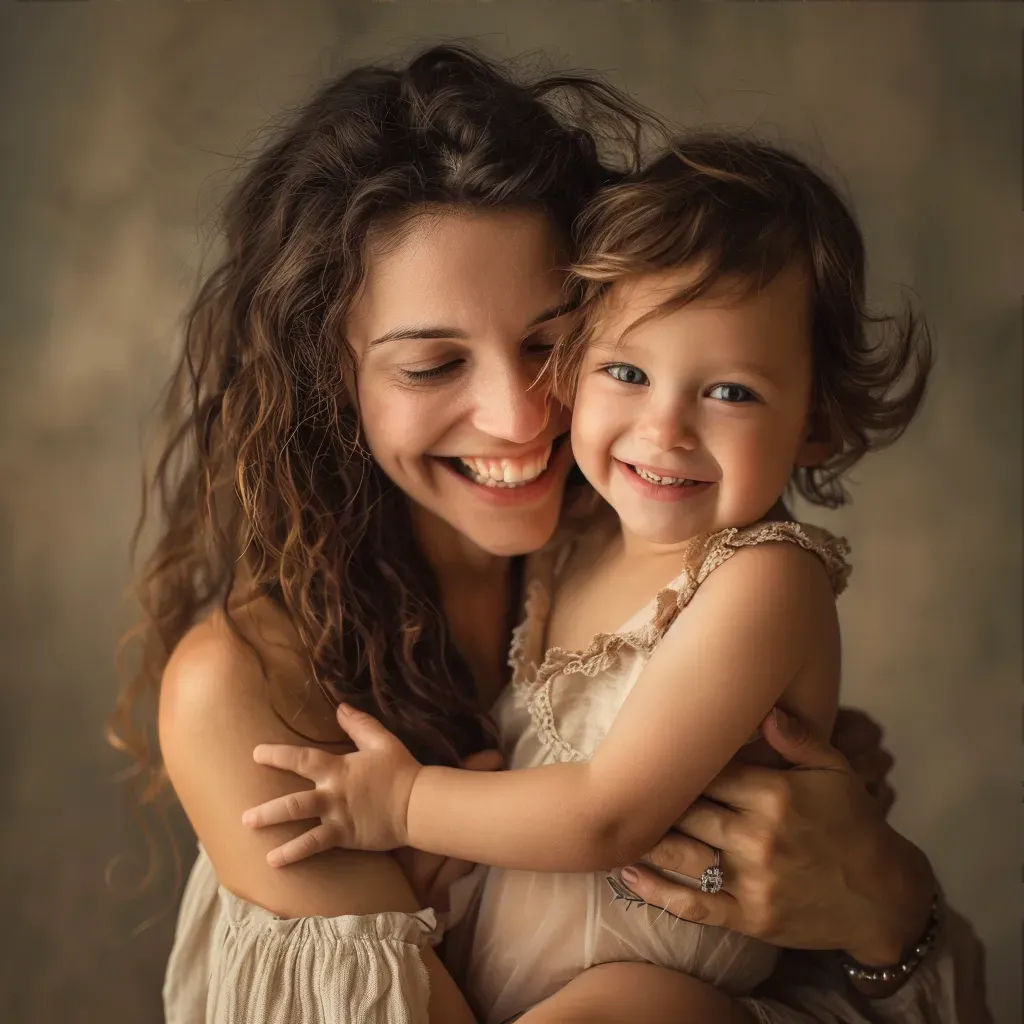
x=636, y=547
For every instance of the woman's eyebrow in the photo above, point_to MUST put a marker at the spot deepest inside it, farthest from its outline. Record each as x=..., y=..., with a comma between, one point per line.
x=435, y=332
x=425, y=332
x=554, y=313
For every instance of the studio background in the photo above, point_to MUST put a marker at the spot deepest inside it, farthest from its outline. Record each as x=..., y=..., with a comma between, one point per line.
x=120, y=126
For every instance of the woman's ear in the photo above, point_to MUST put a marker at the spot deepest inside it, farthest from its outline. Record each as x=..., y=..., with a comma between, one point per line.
x=821, y=441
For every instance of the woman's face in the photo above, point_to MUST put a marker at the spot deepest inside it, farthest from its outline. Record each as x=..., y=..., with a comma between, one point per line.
x=454, y=322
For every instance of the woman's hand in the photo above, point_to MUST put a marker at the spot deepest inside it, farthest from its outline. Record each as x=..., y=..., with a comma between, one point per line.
x=858, y=737
x=361, y=799
x=807, y=858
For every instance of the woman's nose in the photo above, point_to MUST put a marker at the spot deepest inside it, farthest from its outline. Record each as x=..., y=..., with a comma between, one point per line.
x=510, y=406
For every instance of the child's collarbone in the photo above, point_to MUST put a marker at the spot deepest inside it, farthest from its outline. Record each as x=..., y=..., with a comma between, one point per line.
x=603, y=597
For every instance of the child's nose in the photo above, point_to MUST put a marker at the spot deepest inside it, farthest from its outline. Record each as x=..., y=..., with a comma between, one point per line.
x=670, y=427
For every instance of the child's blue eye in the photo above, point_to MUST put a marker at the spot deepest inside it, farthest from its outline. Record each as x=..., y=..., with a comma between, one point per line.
x=732, y=393
x=627, y=373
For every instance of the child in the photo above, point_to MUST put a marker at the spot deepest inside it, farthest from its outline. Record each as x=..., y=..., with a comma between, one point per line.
x=720, y=356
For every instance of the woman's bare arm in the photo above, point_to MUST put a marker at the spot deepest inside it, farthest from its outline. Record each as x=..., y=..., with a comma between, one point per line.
x=214, y=708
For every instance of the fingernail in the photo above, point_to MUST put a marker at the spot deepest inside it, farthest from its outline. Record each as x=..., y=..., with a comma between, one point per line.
x=630, y=875
x=788, y=726
x=346, y=708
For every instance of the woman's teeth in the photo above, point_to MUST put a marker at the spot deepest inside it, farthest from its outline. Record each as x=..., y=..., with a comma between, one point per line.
x=505, y=472
x=665, y=481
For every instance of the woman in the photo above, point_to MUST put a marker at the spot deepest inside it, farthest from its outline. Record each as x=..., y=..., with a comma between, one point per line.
x=360, y=460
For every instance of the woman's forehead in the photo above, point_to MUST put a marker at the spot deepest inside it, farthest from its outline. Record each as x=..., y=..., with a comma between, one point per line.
x=493, y=271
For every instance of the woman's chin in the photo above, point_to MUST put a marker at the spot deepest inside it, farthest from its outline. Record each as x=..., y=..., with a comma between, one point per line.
x=445, y=527
x=508, y=539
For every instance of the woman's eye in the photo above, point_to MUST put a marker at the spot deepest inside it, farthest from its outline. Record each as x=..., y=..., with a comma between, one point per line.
x=626, y=373
x=539, y=346
x=732, y=393
x=418, y=376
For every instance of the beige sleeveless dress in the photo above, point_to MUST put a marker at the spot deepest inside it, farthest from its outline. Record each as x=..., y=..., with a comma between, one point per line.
x=236, y=963
x=525, y=934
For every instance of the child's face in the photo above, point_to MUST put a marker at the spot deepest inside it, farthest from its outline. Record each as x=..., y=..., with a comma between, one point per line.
x=716, y=393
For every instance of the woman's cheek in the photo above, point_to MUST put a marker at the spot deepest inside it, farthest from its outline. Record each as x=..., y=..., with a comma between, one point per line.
x=399, y=422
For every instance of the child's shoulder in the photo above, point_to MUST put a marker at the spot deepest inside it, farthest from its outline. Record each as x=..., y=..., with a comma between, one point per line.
x=770, y=548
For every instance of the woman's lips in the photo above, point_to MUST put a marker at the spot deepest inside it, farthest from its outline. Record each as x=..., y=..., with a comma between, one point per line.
x=518, y=493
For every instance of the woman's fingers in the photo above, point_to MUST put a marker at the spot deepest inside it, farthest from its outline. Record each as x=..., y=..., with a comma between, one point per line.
x=707, y=822
x=791, y=738
x=872, y=766
x=308, y=762
x=884, y=796
x=316, y=840
x=740, y=785
x=717, y=909
x=301, y=806
x=684, y=856
x=854, y=732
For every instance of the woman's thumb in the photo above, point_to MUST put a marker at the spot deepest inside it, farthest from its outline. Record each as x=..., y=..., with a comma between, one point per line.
x=364, y=730
x=788, y=735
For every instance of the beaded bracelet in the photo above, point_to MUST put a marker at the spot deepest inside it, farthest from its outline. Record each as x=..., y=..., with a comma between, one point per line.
x=858, y=972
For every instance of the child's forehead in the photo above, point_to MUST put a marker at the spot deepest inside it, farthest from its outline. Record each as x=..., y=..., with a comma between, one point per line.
x=646, y=295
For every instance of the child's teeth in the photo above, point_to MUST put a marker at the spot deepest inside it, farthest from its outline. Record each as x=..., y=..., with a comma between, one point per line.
x=664, y=481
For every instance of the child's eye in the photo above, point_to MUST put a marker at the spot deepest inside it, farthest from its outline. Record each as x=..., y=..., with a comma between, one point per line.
x=627, y=373
x=732, y=393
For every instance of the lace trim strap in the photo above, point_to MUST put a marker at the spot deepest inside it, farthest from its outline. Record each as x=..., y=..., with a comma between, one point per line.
x=709, y=552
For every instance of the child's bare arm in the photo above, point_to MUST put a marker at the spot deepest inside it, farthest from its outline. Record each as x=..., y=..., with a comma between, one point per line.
x=747, y=637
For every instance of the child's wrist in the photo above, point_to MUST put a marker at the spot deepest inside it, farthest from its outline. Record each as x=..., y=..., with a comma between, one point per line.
x=405, y=811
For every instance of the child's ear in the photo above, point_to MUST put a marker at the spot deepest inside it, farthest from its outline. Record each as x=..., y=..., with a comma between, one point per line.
x=821, y=441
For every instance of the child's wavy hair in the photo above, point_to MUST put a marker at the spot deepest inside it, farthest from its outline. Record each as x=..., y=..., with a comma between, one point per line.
x=264, y=467
x=740, y=211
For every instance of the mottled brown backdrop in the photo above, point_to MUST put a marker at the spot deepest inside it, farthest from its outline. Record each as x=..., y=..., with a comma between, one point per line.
x=120, y=124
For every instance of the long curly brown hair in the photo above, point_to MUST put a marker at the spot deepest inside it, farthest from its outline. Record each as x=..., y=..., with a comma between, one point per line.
x=263, y=464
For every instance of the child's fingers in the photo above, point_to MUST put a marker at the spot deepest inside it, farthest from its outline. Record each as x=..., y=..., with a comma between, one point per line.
x=364, y=730
x=294, y=807
x=308, y=762
x=316, y=840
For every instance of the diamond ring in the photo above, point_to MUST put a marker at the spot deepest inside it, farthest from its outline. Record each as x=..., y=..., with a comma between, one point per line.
x=712, y=879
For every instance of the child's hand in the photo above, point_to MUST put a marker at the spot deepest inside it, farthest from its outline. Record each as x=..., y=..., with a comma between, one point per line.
x=361, y=799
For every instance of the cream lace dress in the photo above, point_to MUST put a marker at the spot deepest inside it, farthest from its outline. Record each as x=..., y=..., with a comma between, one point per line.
x=536, y=931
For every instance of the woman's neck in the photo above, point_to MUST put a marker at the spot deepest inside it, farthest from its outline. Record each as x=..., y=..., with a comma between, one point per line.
x=475, y=599
x=455, y=559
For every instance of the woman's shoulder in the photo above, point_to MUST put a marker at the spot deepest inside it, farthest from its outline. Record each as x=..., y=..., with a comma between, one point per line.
x=217, y=704
x=209, y=667
x=244, y=666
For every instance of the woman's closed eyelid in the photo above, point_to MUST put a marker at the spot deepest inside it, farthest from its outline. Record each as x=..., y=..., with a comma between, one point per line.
x=429, y=373
x=449, y=366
